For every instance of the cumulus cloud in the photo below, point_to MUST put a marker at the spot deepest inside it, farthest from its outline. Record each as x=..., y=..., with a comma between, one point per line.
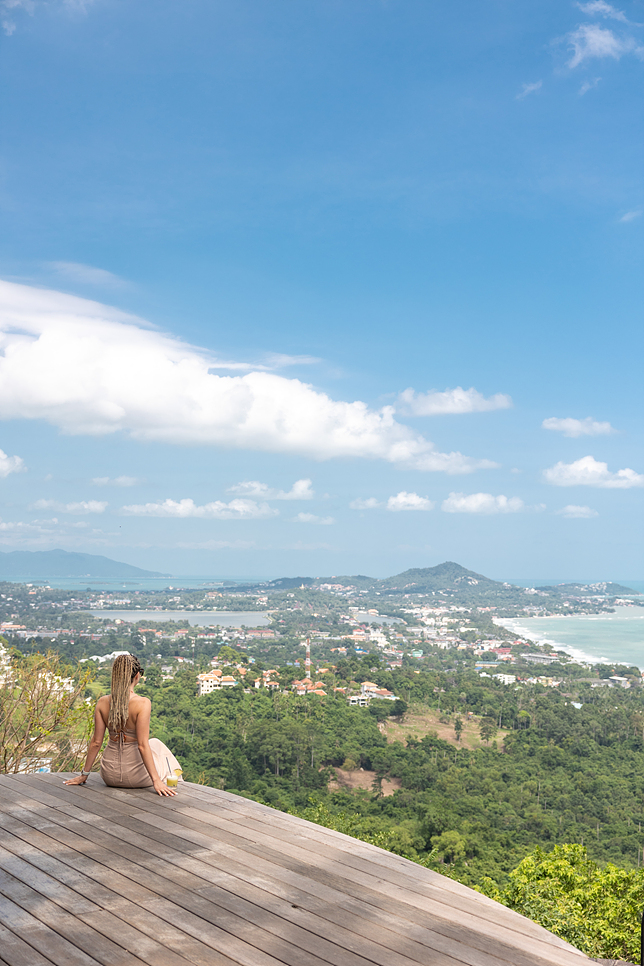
x=408, y=501
x=452, y=401
x=312, y=518
x=217, y=510
x=590, y=41
x=574, y=512
x=81, y=507
x=370, y=503
x=301, y=490
x=90, y=369
x=588, y=471
x=482, y=503
x=10, y=464
x=117, y=481
x=577, y=427
x=529, y=89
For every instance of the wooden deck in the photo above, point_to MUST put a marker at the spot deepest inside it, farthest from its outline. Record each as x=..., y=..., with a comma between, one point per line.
x=121, y=877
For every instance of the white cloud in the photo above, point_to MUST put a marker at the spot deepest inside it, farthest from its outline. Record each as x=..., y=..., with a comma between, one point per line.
x=117, y=481
x=600, y=8
x=217, y=510
x=312, y=518
x=90, y=369
x=10, y=464
x=81, y=507
x=301, y=490
x=630, y=216
x=587, y=471
x=280, y=360
x=370, y=503
x=590, y=41
x=529, y=89
x=574, y=512
x=408, y=501
x=588, y=86
x=452, y=401
x=482, y=503
x=87, y=274
x=577, y=427
x=29, y=6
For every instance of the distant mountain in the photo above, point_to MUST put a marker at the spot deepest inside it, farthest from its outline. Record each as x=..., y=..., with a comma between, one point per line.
x=447, y=580
x=42, y=564
x=451, y=581
x=602, y=589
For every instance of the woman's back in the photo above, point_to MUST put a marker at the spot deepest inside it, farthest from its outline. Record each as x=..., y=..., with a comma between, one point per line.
x=137, y=704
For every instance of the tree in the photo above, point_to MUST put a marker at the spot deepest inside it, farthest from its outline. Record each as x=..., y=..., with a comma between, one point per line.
x=488, y=729
x=458, y=728
x=597, y=910
x=43, y=717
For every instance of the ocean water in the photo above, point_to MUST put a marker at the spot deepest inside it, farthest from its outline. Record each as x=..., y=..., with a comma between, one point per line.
x=206, y=618
x=137, y=583
x=616, y=638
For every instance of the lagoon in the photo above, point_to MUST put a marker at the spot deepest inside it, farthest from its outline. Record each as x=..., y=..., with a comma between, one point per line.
x=204, y=618
x=616, y=638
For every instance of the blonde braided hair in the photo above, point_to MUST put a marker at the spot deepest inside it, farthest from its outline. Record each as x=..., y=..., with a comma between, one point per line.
x=124, y=670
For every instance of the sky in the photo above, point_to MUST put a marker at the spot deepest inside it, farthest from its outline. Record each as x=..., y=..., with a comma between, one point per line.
x=323, y=287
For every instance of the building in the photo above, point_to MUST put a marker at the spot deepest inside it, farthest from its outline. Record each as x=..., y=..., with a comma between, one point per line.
x=209, y=681
x=505, y=678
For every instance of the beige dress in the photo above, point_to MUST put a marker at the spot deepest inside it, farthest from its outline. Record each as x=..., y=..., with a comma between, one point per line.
x=123, y=767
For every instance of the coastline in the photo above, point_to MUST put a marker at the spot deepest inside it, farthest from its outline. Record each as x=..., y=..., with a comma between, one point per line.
x=616, y=638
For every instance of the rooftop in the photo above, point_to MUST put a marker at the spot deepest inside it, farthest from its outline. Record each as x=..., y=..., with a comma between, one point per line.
x=120, y=877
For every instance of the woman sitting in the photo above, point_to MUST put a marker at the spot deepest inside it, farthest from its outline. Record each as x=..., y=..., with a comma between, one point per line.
x=131, y=759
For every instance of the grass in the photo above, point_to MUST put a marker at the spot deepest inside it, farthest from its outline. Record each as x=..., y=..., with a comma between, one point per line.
x=420, y=721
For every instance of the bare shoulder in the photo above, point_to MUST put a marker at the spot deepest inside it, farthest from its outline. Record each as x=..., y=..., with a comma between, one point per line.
x=103, y=702
x=140, y=702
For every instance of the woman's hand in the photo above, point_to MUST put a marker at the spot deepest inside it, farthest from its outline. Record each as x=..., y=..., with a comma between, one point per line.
x=79, y=780
x=162, y=789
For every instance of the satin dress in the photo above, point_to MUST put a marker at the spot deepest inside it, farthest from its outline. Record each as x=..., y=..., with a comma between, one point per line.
x=122, y=765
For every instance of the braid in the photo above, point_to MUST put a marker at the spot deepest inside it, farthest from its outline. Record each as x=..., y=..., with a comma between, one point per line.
x=124, y=670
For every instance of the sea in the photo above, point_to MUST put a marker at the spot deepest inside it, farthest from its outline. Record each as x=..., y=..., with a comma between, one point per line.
x=616, y=638
x=138, y=583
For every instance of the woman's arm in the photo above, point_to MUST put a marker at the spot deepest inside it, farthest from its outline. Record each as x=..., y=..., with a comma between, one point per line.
x=94, y=746
x=143, y=740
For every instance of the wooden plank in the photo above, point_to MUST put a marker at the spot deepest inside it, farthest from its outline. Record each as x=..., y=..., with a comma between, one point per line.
x=287, y=930
x=45, y=940
x=278, y=943
x=16, y=952
x=445, y=911
x=71, y=927
x=201, y=823
x=117, y=898
x=496, y=928
x=532, y=958
x=178, y=830
x=148, y=939
x=284, y=907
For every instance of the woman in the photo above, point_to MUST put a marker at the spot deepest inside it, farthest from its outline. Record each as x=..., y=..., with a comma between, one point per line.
x=131, y=759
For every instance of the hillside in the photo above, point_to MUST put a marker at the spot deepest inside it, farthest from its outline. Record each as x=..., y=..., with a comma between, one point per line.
x=42, y=564
x=450, y=581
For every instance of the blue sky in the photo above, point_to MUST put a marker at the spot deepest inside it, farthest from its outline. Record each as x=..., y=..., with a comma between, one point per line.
x=323, y=287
